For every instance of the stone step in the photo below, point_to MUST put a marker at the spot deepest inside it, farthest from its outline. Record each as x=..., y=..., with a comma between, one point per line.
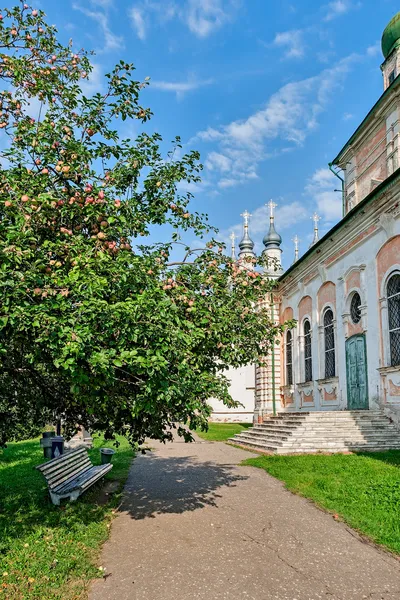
x=330, y=417
x=330, y=431
x=320, y=443
x=326, y=426
x=327, y=431
x=299, y=438
x=309, y=450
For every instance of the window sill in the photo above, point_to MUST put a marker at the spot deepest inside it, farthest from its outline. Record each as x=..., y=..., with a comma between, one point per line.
x=305, y=384
x=390, y=369
x=328, y=380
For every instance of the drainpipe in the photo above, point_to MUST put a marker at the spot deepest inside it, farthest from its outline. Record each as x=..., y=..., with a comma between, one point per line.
x=330, y=165
x=273, y=361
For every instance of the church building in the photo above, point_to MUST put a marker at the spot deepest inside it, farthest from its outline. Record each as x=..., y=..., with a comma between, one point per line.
x=344, y=293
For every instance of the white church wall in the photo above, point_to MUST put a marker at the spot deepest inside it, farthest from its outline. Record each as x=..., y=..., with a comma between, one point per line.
x=351, y=264
x=242, y=389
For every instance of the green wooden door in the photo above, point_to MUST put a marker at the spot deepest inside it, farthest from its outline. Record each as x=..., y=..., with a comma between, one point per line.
x=356, y=366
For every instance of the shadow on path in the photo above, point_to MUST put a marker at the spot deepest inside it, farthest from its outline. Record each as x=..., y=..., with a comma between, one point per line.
x=158, y=485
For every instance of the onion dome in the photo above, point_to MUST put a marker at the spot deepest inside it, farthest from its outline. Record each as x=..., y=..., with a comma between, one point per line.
x=391, y=36
x=246, y=244
x=272, y=239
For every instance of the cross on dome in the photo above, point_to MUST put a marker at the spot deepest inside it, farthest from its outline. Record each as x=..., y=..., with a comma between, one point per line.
x=271, y=205
x=296, y=241
x=246, y=216
x=315, y=218
x=232, y=237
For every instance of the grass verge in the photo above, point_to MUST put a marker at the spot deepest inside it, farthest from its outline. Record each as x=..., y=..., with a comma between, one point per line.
x=220, y=432
x=363, y=489
x=48, y=551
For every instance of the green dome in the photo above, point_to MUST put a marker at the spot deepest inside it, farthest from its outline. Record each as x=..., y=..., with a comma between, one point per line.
x=391, y=36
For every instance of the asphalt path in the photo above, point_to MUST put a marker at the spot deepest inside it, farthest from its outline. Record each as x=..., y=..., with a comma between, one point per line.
x=194, y=525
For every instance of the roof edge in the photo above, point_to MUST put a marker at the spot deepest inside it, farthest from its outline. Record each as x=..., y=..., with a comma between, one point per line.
x=385, y=94
x=379, y=189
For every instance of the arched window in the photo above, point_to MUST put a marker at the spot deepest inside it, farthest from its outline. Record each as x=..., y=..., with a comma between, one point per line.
x=289, y=358
x=329, y=338
x=393, y=299
x=355, y=308
x=307, y=351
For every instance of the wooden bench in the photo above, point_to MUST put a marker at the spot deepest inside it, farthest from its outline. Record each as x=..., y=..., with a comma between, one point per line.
x=71, y=474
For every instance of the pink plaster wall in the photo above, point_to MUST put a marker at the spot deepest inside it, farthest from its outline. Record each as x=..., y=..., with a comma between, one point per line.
x=353, y=281
x=305, y=307
x=371, y=162
x=286, y=315
x=326, y=294
x=387, y=256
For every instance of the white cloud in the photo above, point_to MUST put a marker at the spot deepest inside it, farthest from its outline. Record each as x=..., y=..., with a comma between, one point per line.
x=347, y=116
x=289, y=116
x=337, y=8
x=110, y=41
x=181, y=87
x=320, y=187
x=201, y=17
x=292, y=41
x=103, y=3
x=219, y=162
x=138, y=22
x=374, y=50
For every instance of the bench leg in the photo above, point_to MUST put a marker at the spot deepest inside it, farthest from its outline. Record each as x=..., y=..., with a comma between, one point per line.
x=74, y=496
x=55, y=499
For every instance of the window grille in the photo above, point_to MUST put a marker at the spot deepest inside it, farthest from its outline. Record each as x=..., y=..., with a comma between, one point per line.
x=355, y=308
x=393, y=298
x=329, y=336
x=307, y=351
x=289, y=358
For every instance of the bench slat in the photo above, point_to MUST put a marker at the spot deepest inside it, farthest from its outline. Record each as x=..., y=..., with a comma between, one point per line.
x=103, y=471
x=72, y=471
x=69, y=467
x=84, y=480
x=57, y=468
x=56, y=463
x=70, y=481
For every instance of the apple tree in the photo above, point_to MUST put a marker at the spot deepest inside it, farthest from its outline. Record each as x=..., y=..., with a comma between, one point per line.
x=98, y=327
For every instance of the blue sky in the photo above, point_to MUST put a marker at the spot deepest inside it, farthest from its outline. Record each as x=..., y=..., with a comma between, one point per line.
x=267, y=90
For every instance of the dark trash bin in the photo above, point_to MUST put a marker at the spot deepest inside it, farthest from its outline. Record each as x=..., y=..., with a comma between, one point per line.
x=106, y=455
x=57, y=446
x=45, y=443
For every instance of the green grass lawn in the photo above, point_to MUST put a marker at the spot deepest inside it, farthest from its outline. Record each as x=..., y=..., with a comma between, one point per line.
x=363, y=489
x=220, y=432
x=50, y=552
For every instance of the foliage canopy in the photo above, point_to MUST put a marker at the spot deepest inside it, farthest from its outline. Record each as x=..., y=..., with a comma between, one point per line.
x=97, y=327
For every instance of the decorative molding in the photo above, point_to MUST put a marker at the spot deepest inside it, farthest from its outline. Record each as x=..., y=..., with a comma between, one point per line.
x=387, y=222
x=300, y=285
x=287, y=395
x=322, y=273
x=394, y=389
